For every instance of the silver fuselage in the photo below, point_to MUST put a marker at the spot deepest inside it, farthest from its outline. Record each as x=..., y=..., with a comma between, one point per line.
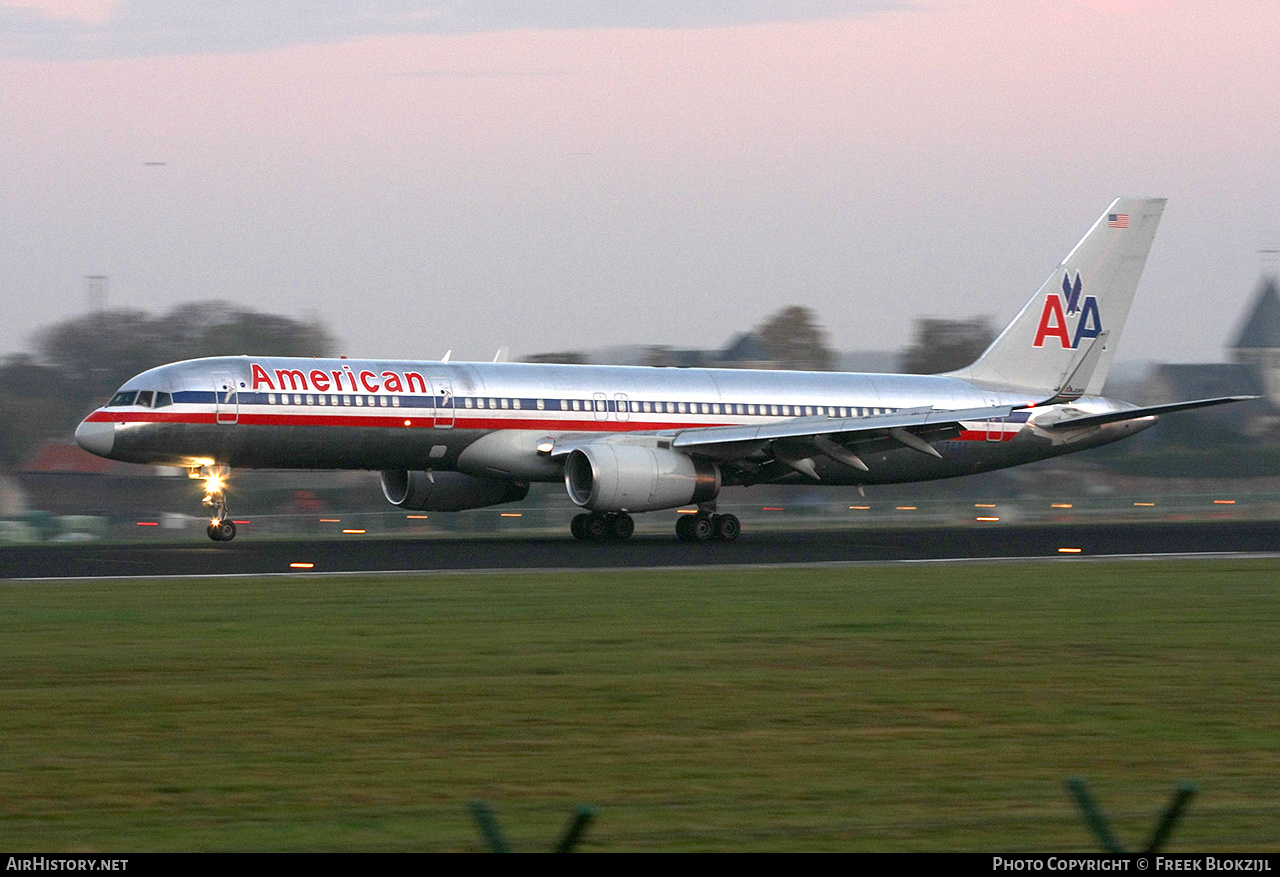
x=488, y=419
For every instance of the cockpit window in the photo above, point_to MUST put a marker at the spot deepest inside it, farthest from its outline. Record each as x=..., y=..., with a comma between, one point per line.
x=163, y=399
x=121, y=399
x=144, y=398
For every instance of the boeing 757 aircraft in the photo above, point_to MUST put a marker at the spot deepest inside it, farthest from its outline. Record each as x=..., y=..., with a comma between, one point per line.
x=449, y=436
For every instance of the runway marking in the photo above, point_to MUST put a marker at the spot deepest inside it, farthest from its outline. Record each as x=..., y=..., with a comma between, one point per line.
x=718, y=567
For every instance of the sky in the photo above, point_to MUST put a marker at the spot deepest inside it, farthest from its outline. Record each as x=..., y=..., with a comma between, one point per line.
x=574, y=175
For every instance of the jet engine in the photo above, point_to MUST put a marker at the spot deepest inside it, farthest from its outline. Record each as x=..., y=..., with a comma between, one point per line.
x=447, y=491
x=613, y=477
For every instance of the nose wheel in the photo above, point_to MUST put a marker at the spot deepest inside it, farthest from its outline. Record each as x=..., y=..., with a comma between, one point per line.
x=222, y=531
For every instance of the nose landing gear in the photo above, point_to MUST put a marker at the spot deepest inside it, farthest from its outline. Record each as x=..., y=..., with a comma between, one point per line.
x=221, y=528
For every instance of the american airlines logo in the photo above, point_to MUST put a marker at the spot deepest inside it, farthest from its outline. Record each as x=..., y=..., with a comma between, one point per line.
x=338, y=381
x=1057, y=310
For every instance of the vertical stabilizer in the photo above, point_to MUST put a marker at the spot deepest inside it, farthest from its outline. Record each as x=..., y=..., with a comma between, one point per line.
x=1062, y=342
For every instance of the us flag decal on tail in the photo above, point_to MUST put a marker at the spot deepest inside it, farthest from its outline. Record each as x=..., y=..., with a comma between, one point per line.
x=1117, y=220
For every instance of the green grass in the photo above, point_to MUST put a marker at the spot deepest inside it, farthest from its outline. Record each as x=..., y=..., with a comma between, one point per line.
x=890, y=708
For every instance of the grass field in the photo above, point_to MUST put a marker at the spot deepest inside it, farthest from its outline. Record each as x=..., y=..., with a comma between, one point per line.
x=931, y=707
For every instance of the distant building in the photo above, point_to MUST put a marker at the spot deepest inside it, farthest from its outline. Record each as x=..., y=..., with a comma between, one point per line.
x=1255, y=371
x=1258, y=343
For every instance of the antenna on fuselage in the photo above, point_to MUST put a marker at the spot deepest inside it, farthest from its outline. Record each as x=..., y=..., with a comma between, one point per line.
x=501, y=355
x=448, y=353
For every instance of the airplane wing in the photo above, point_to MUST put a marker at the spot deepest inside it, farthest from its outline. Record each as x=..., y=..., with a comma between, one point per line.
x=792, y=443
x=1086, y=420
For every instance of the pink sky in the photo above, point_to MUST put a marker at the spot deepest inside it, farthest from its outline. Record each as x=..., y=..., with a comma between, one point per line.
x=579, y=188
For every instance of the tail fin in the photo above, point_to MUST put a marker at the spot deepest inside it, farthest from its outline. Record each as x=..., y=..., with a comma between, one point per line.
x=1062, y=342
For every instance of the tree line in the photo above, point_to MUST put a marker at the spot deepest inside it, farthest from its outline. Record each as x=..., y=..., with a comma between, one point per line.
x=78, y=363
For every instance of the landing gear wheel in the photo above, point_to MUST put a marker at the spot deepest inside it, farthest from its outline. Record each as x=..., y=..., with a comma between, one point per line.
x=702, y=529
x=683, y=524
x=621, y=527
x=222, y=531
x=727, y=527
x=578, y=526
x=596, y=527
x=695, y=528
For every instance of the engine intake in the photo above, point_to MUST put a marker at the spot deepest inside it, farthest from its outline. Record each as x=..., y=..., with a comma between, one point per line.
x=611, y=478
x=447, y=491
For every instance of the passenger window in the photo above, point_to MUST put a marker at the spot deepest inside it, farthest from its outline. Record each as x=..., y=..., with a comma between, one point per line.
x=311, y=400
x=333, y=400
x=466, y=403
x=395, y=401
x=163, y=399
x=773, y=409
x=505, y=402
x=575, y=404
x=320, y=399
x=751, y=409
x=681, y=407
x=360, y=401
x=493, y=403
x=542, y=404
x=715, y=408
x=515, y=403
x=271, y=398
x=346, y=400
x=844, y=412
x=297, y=398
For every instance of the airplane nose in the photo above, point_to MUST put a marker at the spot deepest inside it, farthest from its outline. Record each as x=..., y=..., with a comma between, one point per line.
x=96, y=438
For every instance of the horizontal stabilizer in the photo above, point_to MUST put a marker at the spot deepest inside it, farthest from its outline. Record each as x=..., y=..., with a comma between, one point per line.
x=1133, y=413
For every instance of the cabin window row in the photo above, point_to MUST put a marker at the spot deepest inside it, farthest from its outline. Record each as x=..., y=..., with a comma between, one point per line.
x=334, y=400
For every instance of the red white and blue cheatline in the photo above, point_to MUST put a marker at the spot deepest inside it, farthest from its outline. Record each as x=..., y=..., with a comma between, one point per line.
x=1117, y=220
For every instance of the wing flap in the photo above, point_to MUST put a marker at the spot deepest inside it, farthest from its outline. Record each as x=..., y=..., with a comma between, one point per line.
x=806, y=427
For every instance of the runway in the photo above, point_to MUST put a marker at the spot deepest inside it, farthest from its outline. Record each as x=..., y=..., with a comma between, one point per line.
x=247, y=556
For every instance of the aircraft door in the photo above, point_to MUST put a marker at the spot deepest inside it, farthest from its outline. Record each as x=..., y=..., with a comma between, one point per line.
x=226, y=401
x=995, y=426
x=602, y=406
x=623, y=406
x=442, y=398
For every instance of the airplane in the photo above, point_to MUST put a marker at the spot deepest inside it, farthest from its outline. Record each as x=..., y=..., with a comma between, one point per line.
x=449, y=436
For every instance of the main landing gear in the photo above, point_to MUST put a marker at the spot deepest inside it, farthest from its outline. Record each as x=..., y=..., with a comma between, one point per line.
x=599, y=526
x=704, y=527
x=618, y=527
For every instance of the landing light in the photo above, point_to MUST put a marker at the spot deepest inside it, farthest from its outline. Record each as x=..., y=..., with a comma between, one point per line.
x=1061, y=505
x=988, y=518
x=1224, y=502
x=546, y=446
x=302, y=565
x=1069, y=550
x=214, y=484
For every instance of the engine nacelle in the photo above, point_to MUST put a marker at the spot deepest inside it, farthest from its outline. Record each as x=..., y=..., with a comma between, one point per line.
x=447, y=491
x=611, y=478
